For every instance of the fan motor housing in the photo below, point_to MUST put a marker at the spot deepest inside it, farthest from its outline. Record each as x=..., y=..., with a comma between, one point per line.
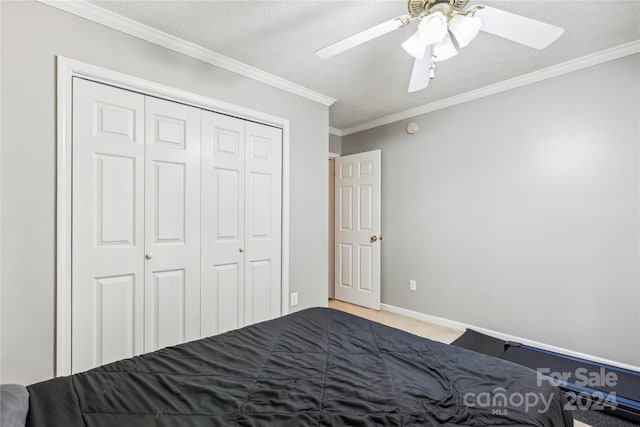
x=416, y=7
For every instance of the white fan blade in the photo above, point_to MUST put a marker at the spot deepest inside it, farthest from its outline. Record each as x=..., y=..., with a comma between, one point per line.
x=361, y=37
x=519, y=29
x=420, y=73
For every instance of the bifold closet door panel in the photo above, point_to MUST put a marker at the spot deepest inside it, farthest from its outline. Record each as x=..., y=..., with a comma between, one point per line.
x=222, y=167
x=172, y=223
x=108, y=225
x=263, y=222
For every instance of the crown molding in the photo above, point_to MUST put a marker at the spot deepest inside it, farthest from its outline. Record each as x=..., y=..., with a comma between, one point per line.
x=134, y=28
x=523, y=80
x=336, y=131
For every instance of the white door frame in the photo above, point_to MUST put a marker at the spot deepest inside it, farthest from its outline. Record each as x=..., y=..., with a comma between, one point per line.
x=66, y=70
x=332, y=230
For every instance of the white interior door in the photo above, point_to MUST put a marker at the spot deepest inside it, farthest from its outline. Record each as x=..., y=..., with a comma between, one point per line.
x=108, y=225
x=263, y=201
x=172, y=222
x=222, y=223
x=357, y=222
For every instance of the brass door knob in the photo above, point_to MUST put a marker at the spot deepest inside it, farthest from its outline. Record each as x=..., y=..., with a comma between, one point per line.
x=374, y=239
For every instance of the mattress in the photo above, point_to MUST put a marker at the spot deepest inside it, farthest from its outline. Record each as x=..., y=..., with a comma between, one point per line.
x=316, y=367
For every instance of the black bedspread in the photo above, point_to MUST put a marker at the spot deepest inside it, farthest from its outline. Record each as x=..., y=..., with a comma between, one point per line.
x=317, y=367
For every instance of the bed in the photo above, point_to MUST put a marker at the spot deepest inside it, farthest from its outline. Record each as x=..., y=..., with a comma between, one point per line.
x=316, y=367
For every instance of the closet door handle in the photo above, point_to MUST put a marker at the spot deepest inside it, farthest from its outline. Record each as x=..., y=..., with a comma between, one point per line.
x=149, y=255
x=241, y=250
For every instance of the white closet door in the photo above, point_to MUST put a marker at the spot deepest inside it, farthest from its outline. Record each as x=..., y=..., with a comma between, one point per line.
x=176, y=223
x=108, y=224
x=172, y=222
x=263, y=205
x=223, y=152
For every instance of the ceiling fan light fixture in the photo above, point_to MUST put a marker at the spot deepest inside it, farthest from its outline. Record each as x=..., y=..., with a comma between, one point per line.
x=444, y=27
x=464, y=28
x=433, y=28
x=415, y=46
x=444, y=50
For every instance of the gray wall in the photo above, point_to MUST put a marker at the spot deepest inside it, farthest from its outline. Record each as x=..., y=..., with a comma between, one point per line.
x=519, y=212
x=335, y=144
x=32, y=34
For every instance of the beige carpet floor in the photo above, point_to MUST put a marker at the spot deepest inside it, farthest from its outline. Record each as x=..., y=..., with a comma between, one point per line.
x=416, y=327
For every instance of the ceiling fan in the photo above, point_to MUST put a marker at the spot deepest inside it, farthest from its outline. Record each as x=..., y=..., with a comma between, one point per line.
x=446, y=26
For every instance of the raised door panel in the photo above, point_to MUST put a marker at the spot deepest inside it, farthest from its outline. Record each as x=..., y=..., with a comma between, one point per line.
x=223, y=223
x=258, y=301
x=172, y=223
x=108, y=224
x=115, y=199
x=169, y=132
x=365, y=271
x=113, y=121
x=345, y=207
x=169, y=200
x=263, y=228
x=228, y=194
x=345, y=266
x=113, y=323
x=365, y=217
x=260, y=188
x=226, y=299
x=167, y=325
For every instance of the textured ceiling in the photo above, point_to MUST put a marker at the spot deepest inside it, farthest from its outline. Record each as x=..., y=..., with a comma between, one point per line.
x=370, y=81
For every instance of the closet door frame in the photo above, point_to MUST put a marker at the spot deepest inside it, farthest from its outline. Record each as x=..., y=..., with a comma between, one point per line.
x=67, y=69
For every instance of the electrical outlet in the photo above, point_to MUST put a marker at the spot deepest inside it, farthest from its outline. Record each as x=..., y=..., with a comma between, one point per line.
x=294, y=298
x=412, y=285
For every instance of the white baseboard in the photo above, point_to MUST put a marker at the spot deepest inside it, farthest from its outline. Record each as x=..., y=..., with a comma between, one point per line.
x=462, y=326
